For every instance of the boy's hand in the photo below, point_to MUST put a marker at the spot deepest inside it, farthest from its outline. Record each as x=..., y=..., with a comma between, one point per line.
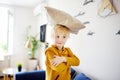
x=57, y=60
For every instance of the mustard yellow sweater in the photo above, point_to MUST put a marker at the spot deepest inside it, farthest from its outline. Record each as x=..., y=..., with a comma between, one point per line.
x=62, y=71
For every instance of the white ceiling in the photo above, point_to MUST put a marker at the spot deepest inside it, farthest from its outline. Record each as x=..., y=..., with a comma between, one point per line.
x=25, y=3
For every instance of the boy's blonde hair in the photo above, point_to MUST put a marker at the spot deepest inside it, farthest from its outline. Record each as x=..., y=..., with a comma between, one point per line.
x=60, y=29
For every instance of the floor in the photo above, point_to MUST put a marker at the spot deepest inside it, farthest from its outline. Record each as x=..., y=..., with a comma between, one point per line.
x=3, y=78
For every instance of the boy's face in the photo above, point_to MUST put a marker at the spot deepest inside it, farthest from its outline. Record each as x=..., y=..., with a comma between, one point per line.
x=60, y=39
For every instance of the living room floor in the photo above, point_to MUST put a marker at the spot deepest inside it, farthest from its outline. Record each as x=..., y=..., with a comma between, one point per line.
x=3, y=79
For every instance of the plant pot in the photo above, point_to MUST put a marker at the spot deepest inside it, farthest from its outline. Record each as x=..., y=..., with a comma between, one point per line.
x=32, y=64
x=19, y=68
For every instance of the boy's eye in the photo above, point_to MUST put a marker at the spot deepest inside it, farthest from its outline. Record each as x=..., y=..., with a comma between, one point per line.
x=64, y=36
x=58, y=36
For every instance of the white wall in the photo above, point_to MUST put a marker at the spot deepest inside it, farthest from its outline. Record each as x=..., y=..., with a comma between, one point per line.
x=99, y=53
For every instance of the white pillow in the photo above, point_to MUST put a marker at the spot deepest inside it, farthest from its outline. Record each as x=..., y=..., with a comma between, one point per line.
x=60, y=17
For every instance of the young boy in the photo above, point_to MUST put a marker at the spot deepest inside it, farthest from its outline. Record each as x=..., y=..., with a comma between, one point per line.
x=59, y=59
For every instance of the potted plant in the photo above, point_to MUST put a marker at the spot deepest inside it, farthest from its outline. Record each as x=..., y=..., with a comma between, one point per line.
x=19, y=66
x=32, y=44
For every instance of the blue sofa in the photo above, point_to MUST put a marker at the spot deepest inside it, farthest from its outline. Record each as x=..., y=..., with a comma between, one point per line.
x=40, y=75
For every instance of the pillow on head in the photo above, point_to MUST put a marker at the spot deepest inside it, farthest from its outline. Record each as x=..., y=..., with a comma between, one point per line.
x=62, y=18
x=81, y=76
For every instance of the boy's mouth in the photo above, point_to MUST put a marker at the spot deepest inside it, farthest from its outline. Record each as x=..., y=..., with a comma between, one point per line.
x=59, y=43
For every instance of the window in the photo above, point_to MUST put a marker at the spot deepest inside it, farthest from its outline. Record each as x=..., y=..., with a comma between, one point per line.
x=6, y=30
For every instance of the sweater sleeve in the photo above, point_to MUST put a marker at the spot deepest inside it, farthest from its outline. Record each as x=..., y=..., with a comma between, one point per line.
x=49, y=57
x=72, y=60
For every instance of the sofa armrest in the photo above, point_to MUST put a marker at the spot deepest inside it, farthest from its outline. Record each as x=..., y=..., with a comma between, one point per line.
x=31, y=75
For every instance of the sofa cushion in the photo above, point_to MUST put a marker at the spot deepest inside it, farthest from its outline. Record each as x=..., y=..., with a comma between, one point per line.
x=81, y=76
x=73, y=73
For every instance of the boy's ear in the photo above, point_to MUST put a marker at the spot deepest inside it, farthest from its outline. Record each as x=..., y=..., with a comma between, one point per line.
x=59, y=17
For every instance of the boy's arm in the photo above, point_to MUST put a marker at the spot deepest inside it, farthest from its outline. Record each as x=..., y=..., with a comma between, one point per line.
x=72, y=60
x=58, y=60
x=59, y=68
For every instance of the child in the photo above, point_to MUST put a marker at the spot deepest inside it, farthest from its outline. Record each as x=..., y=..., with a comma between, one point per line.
x=59, y=59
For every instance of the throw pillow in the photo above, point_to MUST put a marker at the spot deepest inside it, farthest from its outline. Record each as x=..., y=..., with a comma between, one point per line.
x=81, y=76
x=60, y=17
